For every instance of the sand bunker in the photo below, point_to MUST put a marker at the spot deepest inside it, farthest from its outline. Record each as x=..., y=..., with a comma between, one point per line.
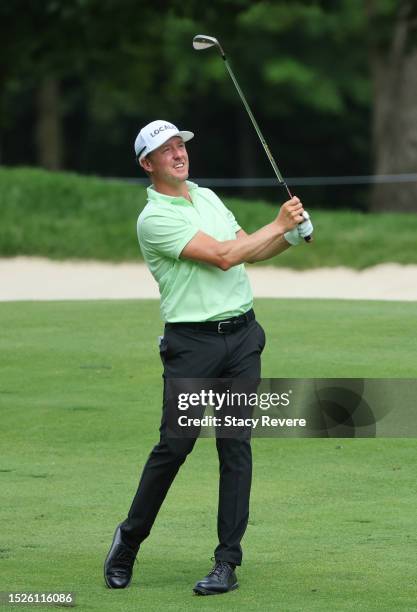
x=33, y=278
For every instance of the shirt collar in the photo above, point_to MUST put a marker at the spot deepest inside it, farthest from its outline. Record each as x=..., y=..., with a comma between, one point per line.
x=156, y=196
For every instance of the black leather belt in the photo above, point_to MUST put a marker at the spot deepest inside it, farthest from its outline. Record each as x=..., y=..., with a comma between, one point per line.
x=226, y=326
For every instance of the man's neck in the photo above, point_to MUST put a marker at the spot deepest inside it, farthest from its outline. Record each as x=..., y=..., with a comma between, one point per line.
x=179, y=190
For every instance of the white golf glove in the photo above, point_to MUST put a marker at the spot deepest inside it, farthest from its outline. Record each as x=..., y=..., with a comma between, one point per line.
x=297, y=235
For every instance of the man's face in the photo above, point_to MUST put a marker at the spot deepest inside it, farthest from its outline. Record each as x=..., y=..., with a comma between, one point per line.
x=168, y=163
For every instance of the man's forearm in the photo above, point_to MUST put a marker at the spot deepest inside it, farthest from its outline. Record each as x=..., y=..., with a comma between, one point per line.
x=253, y=247
x=279, y=246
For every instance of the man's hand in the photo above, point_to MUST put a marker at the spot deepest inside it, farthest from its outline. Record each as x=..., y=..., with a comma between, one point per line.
x=290, y=215
x=297, y=235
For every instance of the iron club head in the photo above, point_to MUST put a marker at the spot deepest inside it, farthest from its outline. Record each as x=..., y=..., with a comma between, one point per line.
x=201, y=42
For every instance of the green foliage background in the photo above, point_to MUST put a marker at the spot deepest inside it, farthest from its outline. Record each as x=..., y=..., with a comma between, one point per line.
x=303, y=66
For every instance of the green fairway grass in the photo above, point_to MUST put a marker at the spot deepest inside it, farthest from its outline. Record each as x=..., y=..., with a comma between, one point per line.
x=333, y=522
x=63, y=215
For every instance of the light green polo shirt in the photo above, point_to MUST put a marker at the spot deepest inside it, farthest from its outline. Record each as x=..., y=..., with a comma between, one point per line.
x=191, y=290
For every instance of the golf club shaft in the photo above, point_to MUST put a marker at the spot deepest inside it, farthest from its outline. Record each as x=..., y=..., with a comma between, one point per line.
x=258, y=131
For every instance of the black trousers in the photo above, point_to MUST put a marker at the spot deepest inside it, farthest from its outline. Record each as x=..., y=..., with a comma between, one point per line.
x=190, y=353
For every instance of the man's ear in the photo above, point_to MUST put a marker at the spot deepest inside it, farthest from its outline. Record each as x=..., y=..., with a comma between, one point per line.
x=146, y=164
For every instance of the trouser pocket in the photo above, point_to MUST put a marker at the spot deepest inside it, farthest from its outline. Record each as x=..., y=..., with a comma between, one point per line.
x=163, y=347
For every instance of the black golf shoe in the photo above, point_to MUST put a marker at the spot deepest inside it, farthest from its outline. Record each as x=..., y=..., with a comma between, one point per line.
x=221, y=579
x=118, y=565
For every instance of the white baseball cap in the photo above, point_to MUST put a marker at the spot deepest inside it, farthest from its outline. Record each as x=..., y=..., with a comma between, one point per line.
x=155, y=134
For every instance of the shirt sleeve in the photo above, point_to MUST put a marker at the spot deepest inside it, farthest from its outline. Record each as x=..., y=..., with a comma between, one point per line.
x=232, y=220
x=165, y=233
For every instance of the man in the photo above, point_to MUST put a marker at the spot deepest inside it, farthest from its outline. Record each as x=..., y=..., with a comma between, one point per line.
x=196, y=251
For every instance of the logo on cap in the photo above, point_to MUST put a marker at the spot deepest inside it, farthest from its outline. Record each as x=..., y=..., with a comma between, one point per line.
x=162, y=128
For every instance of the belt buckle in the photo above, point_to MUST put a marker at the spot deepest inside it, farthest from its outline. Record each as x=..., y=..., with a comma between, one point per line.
x=219, y=326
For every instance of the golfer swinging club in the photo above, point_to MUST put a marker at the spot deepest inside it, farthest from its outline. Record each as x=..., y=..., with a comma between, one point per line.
x=196, y=251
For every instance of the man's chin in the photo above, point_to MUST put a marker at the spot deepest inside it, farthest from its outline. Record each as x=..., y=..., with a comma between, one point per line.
x=181, y=177
x=175, y=177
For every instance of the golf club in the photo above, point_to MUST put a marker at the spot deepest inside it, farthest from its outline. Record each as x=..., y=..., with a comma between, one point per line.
x=201, y=42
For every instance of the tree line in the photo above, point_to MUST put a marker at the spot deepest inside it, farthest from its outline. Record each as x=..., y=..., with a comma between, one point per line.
x=332, y=84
